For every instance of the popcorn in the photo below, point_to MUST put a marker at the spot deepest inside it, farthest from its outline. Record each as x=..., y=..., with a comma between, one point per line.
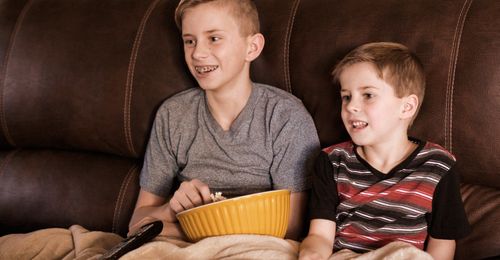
x=217, y=197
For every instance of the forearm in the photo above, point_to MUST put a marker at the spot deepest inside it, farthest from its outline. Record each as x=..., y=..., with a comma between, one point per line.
x=315, y=247
x=149, y=208
x=319, y=242
x=157, y=212
x=144, y=215
x=441, y=249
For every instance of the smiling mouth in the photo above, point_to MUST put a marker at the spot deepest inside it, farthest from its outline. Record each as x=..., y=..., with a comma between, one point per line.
x=359, y=124
x=205, y=69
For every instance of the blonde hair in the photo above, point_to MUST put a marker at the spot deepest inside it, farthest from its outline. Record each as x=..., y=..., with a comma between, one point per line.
x=395, y=64
x=244, y=11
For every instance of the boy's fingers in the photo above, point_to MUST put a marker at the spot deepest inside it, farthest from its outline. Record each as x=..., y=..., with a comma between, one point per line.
x=175, y=206
x=202, y=189
x=180, y=201
x=190, y=194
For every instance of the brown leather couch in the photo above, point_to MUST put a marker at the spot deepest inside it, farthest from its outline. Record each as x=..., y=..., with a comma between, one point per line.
x=80, y=82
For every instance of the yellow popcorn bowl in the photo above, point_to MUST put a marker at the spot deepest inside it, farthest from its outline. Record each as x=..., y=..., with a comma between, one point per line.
x=264, y=213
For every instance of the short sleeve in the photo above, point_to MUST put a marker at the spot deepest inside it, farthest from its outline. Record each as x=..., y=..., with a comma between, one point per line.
x=448, y=219
x=159, y=166
x=295, y=146
x=324, y=197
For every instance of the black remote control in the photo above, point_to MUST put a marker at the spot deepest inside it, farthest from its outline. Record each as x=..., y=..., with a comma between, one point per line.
x=145, y=234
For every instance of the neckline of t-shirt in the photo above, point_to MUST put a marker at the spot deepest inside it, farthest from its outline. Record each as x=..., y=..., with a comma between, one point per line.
x=401, y=165
x=240, y=119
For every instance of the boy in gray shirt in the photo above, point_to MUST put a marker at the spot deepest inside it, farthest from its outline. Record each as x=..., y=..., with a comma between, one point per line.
x=230, y=135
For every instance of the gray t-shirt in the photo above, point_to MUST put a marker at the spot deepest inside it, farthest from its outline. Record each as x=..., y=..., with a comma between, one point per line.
x=270, y=145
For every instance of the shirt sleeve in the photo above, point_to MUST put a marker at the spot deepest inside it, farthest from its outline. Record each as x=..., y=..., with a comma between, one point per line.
x=324, y=197
x=295, y=146
x=160, y=166
x=448, y=219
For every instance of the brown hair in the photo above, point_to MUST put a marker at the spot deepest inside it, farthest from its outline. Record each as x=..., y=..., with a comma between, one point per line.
x=395, y=64
x=244, y=11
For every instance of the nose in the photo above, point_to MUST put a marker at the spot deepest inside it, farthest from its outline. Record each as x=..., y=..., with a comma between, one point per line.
x=200, y=51
x=353, y=105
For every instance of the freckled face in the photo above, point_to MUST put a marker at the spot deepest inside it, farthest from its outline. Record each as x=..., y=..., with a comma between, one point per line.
x=214, y=49
x=370, y=109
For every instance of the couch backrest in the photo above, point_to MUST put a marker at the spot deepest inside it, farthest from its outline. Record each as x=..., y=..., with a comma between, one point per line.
x=457, y=41
x=80, y=82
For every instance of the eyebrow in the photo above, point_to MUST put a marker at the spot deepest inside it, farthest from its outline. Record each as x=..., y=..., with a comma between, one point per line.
x=362, y=88
x=207, y=32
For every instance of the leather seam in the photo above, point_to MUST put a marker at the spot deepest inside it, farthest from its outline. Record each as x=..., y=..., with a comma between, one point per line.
x=129, y=85
x=451, y=74
x=121, y=197
x=286, y=49
x=3, y=72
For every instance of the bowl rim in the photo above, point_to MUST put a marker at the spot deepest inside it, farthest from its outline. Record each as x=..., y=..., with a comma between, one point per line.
x=212, y=204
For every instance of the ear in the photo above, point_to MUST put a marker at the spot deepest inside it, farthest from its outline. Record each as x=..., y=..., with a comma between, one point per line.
x=409, y=106
x=255, y=46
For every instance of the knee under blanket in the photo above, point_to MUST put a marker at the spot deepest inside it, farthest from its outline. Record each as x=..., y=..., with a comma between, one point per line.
x=79, y=243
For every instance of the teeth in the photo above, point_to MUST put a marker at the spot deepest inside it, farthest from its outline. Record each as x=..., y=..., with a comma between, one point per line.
x=205, y=69
x=359, y=124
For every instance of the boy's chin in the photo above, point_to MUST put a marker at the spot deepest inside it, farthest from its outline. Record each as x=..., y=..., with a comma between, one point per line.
x=359, y=141
x=203, y=84
x=206, y=87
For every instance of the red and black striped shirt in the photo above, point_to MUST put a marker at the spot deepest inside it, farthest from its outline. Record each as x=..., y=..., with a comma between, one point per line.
x=417, y=198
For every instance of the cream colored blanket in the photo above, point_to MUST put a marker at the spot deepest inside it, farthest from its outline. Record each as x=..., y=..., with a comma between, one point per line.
x=79, y=243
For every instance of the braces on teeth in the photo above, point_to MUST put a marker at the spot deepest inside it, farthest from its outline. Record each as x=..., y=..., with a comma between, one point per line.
x=205, y=69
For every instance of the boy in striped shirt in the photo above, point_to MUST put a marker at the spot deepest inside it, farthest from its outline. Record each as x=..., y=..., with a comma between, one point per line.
x=383, y=186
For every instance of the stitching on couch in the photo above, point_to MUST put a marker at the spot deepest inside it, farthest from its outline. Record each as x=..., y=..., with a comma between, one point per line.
x=130, y=77
x=448, y=135
x=3, y=72
x=286, y=49
x=121, y=197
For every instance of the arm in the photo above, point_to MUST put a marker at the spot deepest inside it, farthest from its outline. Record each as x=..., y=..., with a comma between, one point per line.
x=319, y=242
x=295, y=146
x=150, y=207
x=298, y=203
x=441, y=249
x=448, y=220
x=322, y=207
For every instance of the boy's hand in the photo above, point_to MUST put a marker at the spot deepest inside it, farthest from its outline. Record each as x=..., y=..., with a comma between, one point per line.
x=134, y=228
x=189, y=195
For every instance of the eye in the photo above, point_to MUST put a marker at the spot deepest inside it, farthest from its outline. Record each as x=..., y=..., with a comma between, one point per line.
x=368, y=95
x=215, y=38
x=345, y=98
x=189, y=42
